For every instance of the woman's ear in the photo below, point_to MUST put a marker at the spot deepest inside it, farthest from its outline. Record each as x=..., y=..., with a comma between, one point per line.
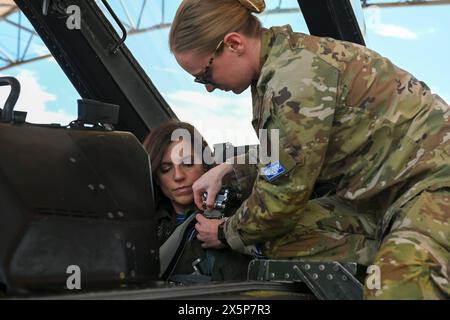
x=235, y=42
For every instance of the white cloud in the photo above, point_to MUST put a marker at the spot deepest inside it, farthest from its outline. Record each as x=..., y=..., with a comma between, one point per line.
x=39, y=49
x=167, y=70
x=374, y=24
x=394, y=31
x=33, y=99
x=219, y=118
x=225, y=103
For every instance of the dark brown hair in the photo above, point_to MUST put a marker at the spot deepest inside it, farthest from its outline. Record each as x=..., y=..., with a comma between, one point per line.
x=160, y=138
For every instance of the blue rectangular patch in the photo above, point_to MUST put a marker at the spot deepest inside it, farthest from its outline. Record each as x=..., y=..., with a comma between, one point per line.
x=273, y=171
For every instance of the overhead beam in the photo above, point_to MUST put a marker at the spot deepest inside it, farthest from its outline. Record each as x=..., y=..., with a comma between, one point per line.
x=132, y=29
x=399, y=4
x=17, y=25
x=316, y=26
x=8, y=11
x=21, y=62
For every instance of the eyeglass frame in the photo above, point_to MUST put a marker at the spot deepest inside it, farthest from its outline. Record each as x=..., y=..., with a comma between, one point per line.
x=205, y=76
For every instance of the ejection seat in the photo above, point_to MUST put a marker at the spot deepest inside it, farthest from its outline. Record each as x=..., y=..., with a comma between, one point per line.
x=75, y=201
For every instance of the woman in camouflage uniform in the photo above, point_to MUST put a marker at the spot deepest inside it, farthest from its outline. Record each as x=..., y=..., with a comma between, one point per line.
x=348, y=118
x=173, y=179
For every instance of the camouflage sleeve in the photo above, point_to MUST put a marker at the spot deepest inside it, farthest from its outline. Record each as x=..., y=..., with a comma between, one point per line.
x=302, y=109
x=243, y=177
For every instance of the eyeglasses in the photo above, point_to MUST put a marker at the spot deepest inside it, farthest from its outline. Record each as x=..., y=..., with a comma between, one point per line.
x=206, y=77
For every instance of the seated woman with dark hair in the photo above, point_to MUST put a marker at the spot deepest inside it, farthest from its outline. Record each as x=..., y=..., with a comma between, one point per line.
x=175, y=167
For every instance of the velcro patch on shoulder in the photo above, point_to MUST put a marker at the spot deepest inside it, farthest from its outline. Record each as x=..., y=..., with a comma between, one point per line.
x=273, y=171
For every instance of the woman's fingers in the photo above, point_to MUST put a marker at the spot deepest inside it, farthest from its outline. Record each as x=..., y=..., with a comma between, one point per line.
x=210, y=182
x=212, y=191
x=198, y=198
x=199, y=188
x=207, y=232
x=200, y=219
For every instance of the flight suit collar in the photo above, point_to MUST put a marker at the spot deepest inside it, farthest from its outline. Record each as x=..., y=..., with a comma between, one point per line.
x=166, y=211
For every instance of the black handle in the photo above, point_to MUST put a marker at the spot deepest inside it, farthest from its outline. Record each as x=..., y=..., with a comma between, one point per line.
x=119, y=23
x=45, y=7
x=8, y=111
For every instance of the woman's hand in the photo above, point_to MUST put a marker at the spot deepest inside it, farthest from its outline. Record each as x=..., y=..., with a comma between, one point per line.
x=207, y=232
x=210, y=182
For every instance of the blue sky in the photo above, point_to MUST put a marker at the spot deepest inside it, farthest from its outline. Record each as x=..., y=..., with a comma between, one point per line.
x=415, y=39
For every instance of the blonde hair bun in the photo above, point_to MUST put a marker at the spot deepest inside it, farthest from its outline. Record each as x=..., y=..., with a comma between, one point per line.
x=256, y=6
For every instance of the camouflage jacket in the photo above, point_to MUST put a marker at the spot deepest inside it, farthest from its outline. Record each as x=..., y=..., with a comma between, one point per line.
x=346, y=116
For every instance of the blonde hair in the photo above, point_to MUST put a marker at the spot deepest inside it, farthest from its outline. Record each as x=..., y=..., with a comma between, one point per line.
x=199, y=25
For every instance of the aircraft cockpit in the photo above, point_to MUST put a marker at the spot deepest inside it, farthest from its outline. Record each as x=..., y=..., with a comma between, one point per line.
x=76, y=194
